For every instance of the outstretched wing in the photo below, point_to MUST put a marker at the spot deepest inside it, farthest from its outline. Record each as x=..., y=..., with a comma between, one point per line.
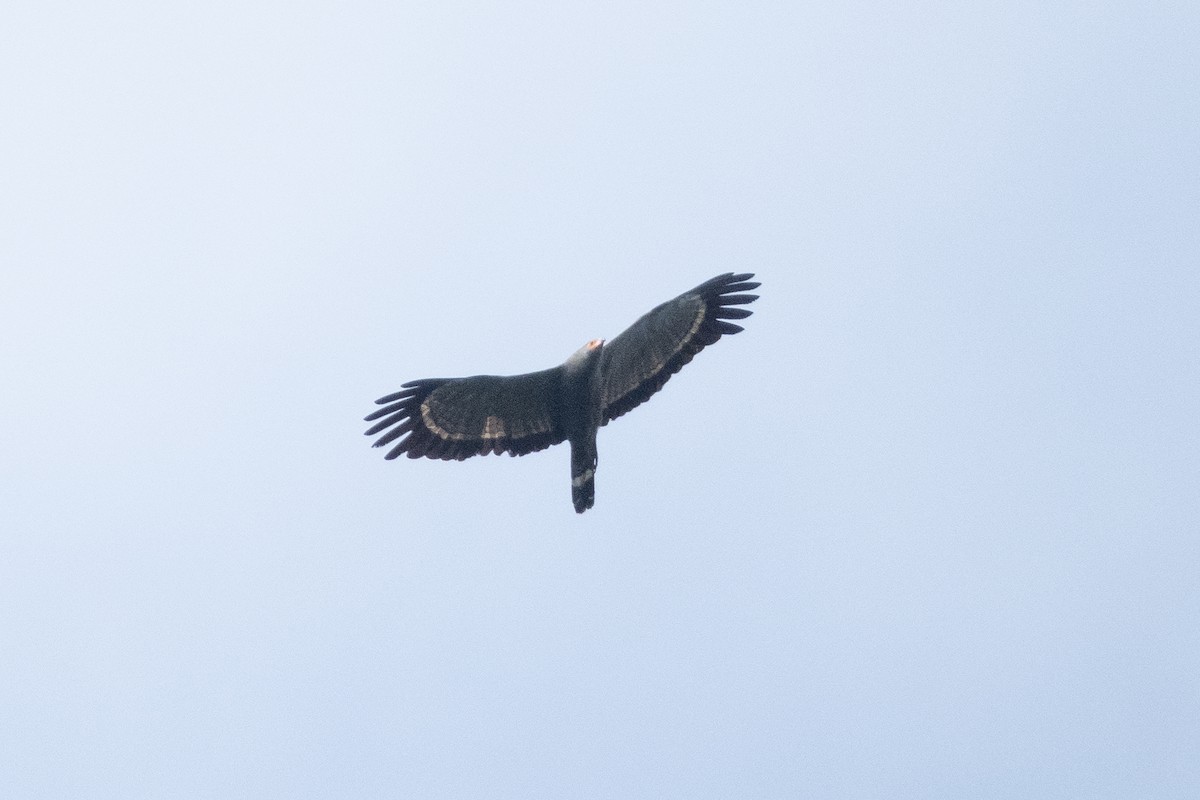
x=637, y=363
x=457, y=418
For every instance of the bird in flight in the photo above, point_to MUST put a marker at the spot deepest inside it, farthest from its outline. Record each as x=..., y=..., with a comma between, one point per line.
x=456, y=418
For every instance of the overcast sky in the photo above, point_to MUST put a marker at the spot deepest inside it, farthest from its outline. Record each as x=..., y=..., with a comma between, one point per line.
x=928, y=528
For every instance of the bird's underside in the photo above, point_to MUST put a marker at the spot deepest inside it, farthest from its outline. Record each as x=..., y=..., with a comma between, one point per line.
x=456, y=418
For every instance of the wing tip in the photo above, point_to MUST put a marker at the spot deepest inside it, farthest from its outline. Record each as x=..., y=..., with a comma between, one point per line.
x=726, y=328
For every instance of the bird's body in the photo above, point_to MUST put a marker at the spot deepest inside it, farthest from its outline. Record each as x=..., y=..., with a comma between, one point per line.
x=582, y=417
x=517, y=414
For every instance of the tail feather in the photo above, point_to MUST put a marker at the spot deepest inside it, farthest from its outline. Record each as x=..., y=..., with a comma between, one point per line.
x=583, y=476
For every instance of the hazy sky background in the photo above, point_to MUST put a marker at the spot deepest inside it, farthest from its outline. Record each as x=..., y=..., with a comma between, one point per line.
x=929, y=528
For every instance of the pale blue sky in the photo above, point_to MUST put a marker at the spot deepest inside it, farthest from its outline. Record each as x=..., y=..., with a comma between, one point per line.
x=927, y=529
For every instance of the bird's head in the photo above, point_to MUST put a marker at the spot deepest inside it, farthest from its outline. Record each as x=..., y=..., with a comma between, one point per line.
x=585, y=355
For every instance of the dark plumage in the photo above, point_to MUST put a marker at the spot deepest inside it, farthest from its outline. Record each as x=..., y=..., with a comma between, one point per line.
x=455, y=418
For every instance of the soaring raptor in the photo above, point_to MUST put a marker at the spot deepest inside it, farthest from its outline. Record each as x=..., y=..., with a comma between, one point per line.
x=456, y=418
